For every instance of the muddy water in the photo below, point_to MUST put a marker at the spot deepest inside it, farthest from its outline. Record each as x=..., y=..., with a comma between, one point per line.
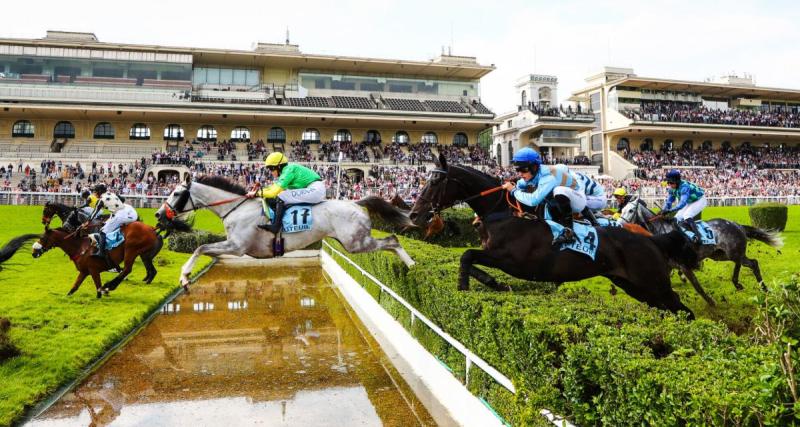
x=248, y=346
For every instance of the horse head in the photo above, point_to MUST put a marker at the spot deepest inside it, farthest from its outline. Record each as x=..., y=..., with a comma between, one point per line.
x=48, y=213
x=175, y=205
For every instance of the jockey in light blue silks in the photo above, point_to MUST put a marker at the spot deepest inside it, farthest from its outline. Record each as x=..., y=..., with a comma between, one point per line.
x=121, y=214
x=557, y=181
x=691, y=201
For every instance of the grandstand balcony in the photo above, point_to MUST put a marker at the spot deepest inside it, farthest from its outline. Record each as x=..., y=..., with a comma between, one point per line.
x=103, y=93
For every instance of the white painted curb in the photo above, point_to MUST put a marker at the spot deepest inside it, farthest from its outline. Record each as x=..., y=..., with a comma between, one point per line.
x=447, y=400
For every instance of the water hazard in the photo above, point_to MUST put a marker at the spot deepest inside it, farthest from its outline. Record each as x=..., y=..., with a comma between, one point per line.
x=249, y=346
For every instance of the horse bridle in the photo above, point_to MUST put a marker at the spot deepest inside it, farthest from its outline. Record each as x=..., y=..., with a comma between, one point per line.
x=178, y=209
x=437, y=208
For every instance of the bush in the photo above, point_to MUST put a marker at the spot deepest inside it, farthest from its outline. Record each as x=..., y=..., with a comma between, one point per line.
x=769, y=216
x=595, y=360
x=188, y=242
x=458, y=230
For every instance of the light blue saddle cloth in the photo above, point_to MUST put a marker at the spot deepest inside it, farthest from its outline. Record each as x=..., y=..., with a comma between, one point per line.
x=586, y=240
x=114, y=239
x=707, y=236
x=297, y=218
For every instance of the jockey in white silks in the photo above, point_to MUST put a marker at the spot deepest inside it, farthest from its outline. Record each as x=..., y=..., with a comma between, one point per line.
x=121, y=214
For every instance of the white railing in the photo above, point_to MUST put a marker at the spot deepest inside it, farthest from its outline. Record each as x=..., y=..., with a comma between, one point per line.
x=37, y=198
x=726, y=201
x=470, y=357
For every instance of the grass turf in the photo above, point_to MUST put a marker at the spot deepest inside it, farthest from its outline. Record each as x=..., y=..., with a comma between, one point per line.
x=58, y=335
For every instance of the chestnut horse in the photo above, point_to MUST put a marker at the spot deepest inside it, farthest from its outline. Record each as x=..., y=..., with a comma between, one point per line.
x=141, y=240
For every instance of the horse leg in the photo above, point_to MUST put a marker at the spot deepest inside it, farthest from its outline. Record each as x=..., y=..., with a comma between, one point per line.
x=77, y=284
x=697, y=287
x=737, y=265
x=752, y=264
x=97, y=283
x=654, y=292
x=360, y=243
x=467, y=269
x=112, y=284
x=151, y=269
x=225, y=247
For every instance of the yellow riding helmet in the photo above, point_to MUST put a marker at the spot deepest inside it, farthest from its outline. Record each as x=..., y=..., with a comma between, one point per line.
x=275, y=159
x=620, y=192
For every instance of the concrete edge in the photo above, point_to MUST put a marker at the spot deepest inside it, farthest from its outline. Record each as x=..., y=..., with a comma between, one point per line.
x=46, y=403
x=447, y=400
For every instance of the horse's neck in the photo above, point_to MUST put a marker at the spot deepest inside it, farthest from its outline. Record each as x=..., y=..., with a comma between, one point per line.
x=204, y=195
x=486, y=204
x=70, y=246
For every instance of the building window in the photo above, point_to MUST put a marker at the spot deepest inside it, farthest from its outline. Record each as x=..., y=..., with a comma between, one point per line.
x=707, y=145
x=430, y=138
x=278, y=135
x=140, y=132
x=207, y=133
x=240, y=134
x=22, y=128
x=460, y=140
x=342, y=135
x=597, y=142
x=310, y=136
x=104, y=131
x=688, y=145
x=64, y=130
x=373, y=137
x=668, y=145
x=594, y=100
x=647, y=145
x=401, y=137
x=623, y=145
x=173, y=132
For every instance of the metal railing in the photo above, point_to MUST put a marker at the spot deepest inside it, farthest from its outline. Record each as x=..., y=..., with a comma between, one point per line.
x=470, y=357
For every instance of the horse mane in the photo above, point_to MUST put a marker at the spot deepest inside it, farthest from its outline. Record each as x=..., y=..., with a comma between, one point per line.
x=60, y=207
x=222, y=183
x=495, y=181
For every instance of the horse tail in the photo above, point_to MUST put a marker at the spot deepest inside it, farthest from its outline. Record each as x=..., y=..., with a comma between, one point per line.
x=770, y=237
x=676, y=248
x=384, y=209
x=14, y=245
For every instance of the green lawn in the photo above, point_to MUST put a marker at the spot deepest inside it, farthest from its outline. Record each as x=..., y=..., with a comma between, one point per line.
x=59, y=335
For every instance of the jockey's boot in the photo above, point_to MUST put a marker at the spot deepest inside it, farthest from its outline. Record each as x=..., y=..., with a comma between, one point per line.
x=100, y=250
x=563, y=217
x=275, y=226
x=690, y=225
x=589, y=216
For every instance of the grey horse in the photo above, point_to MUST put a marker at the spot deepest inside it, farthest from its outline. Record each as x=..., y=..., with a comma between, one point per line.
x=731, y=242
x=345, y=221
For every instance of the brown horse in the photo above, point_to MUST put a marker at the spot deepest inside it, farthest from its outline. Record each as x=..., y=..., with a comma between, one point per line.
x=141, y=240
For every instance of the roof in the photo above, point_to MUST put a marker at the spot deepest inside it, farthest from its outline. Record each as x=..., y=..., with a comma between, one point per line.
x=446, y=67
x=709, y=89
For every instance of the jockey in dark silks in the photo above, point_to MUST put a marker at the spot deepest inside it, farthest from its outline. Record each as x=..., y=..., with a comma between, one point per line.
x=294, y=184
x=691, y=201
x=555, y=185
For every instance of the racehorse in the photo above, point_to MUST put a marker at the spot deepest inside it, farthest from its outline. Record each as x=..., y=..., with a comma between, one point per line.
x=140, y=240
x=523, y=247
x=343, y=220
x=731, y=241
x=71, y=217
x=10, y=248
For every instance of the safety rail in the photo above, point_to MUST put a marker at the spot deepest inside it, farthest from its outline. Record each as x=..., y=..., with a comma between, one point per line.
x=39, y=198
x=471, y=358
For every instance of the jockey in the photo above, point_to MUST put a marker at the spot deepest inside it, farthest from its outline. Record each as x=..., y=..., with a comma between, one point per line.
x=595, y=197
x=89, y=201
x=691, y=201
x=121, y=214
x=623, y=198
x=294, y=184
x=556, y=181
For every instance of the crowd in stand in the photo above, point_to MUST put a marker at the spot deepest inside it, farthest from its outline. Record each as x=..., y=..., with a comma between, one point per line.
x=697, y=113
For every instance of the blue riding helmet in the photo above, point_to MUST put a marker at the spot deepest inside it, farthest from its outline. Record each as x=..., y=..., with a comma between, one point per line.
x=527, y=157
x=673, y=176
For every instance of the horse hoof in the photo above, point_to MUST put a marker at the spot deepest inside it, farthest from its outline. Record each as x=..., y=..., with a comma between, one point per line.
x=99, y=295
x=186, y=288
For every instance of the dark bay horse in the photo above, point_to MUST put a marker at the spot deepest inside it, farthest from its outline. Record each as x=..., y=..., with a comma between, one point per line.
x=141, y=240
x=731, y=241
x=71, y=217
x=522, y=247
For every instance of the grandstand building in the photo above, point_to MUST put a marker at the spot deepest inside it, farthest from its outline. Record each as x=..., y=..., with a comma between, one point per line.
x=644, y=114
x=540, y=122
x=69, y=95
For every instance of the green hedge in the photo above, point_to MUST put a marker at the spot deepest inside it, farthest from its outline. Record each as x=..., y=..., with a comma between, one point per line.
x=458, y=230
x=595, y=360
x=189, y=241
x=769, y=216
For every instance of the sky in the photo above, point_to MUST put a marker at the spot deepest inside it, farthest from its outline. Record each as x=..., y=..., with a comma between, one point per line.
x=683, y=39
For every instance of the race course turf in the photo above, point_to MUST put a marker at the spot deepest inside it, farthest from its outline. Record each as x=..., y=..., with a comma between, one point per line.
x=57, y=335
